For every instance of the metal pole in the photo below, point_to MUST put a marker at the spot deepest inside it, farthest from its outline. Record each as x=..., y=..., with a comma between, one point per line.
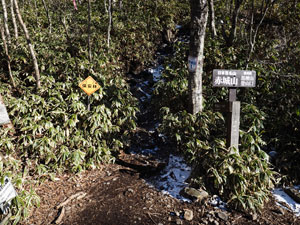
x=88, y=104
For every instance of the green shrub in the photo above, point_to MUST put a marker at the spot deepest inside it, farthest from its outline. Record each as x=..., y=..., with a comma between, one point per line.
x=241, y=177
x=56, y=131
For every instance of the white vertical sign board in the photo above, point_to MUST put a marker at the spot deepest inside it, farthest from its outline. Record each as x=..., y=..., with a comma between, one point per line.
x=4, y=119
x=7, y=193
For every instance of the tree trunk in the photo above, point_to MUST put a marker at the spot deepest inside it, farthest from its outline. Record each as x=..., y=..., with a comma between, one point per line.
x=232, y=35
x=199, y=15
x=48, y=16
x=105, y=6
x=212, y=18
x=5, y=20
x=12, y=11
x=36, y=13
x=109, y=22
x=30, y=46
x=253, y=32
x=7, y=54
x=89, y=31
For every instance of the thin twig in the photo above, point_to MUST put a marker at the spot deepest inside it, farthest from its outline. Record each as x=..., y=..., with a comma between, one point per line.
x=151, y=218
x=61, y=216
x=77, y=195
x=4, y=221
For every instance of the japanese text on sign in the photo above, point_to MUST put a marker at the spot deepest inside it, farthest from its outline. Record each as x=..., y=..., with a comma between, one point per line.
x=89, y=85
x=234, y=78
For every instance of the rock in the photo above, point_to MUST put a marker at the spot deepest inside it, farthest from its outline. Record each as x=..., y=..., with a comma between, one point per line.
x=293, y=193
x=177, y=213
x=254, y=216
x=211, y=213
x=160, y=224
x=188, y=214
x=273, y=154
x=216, y=222
x=211, y=219
x=128, y=192
x=278, y=210
x=205, y=221
x=193, y=193
x=179, y=222
x=223, y=216
x=173, y=176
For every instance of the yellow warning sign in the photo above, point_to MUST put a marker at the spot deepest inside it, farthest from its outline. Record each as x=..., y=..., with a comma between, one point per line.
x=89, y=85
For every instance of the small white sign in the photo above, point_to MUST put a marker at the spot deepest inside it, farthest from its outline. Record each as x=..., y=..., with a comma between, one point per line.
x=7, y=192
x=192, y=63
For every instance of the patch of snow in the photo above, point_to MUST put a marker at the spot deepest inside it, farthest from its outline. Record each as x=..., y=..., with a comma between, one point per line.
x=145, y=83
x=145, y=93
x=216, y=201
x=172, y=179
x=178, y=26
x=149, y=151
x=154, y=128
x=143, y=99
x=156, y=72
x=281, y=196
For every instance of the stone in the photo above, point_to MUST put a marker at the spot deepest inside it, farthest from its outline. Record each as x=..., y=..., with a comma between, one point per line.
x=188, y=214
x=278, y=210
x=223, y=216
x=211, y=213
x=216, y=222
x=179, y=222
x=199, y=195
x=254, y=216
x=130, y=190
x=205, y=221
x=293, y=193
x=211, y=219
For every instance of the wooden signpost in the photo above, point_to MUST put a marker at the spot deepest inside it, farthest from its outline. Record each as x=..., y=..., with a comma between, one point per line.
x=233, y=79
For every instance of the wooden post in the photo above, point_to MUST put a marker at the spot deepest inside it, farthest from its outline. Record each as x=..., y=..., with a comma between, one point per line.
x=88, y=103
x=233, y=121
x=233, y=79
x=232, y=94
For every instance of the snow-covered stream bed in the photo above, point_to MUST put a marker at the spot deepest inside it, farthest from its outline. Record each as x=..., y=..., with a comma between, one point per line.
x=171, y=179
